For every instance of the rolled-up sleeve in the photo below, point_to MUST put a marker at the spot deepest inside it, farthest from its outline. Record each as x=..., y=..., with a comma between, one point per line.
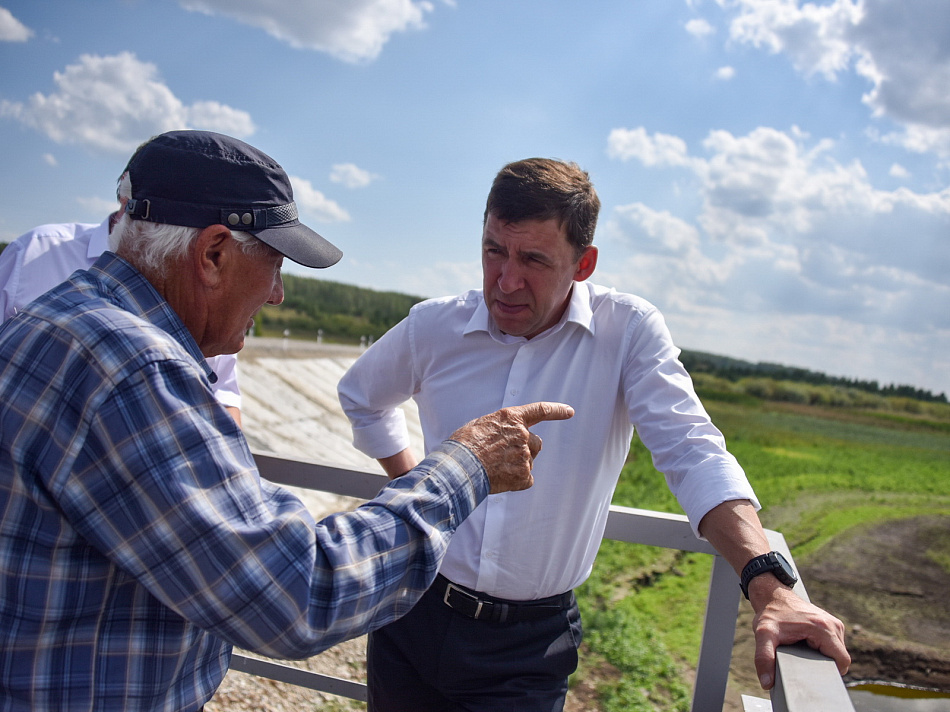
x=673, y=424
x=374, y=387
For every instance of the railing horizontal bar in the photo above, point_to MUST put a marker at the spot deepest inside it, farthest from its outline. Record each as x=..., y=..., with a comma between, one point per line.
x=317, y=476
x=807, y=681
x=642, y=526
x=298, y=677
x=628, y=524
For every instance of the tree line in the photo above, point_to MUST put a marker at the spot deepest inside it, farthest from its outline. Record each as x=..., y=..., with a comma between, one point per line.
x=347, y=313
x=734, y=370
x=338, y=312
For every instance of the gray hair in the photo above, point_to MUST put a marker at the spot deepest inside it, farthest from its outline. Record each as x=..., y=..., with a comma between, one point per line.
x=153, y=246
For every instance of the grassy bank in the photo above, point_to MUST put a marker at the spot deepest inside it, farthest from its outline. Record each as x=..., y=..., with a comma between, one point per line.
x=819, y=472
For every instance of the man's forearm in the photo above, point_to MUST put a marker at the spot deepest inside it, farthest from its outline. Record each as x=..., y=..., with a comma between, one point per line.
x=734, y=529
x=398, y=464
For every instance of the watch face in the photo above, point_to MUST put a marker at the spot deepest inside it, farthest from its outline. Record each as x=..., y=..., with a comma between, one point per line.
x=783, y=570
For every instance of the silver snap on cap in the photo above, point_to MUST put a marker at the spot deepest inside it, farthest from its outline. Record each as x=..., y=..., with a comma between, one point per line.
x=247, y=218
x=233, y=219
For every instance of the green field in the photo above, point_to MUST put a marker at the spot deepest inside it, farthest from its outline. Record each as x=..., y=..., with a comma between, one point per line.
x=818, y=472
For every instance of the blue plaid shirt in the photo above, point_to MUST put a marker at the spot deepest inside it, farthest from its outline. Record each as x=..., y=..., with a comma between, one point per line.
x=137, y=540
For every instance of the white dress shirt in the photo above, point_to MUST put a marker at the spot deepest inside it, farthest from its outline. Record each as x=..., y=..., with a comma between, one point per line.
x=611, y=357
x=40, y=259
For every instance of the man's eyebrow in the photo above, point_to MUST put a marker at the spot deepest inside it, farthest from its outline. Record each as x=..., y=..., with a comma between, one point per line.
x=530, y=253
x=535, y=254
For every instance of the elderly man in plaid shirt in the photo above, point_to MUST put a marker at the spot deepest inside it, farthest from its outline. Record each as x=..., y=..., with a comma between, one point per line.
x=137, y=540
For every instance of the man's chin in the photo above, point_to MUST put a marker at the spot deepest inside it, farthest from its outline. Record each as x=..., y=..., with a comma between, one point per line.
x=511, y=327
x=225, y=350
x=508, y=320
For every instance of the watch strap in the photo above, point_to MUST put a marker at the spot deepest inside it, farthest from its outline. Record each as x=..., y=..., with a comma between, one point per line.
x=772, y=562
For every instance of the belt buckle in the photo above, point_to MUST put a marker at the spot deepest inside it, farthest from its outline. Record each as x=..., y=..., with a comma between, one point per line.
x=452, y=587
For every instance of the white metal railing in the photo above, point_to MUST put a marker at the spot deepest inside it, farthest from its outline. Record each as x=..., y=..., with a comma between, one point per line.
x=806, y=681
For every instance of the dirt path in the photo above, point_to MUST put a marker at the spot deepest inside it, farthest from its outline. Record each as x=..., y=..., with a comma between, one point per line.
x=885, y=584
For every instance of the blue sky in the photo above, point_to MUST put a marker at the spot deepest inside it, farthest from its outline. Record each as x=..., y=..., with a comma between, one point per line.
x=775, y=175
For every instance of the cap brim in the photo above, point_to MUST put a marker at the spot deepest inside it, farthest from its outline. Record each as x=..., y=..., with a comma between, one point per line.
x=301, y=244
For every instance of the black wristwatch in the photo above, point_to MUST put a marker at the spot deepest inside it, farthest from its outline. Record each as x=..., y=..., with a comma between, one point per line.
x=773, y=563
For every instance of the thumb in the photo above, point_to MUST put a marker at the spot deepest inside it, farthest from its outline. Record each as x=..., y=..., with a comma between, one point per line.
x=534, y=413
x=765, y=662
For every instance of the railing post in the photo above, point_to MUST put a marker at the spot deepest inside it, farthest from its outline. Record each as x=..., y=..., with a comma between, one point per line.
x=719, y=628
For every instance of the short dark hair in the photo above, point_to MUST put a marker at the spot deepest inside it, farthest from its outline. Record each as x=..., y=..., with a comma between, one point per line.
x=545, y=189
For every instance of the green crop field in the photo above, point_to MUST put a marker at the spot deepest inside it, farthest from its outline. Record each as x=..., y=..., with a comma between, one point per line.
x=818, y=472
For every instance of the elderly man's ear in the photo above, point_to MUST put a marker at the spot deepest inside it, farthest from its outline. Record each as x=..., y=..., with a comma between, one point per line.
x=213, y=252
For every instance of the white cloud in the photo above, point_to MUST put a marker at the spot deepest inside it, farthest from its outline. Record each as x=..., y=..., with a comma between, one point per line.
x=50, y=160
x=666, y=233
x=426, y=279
x=11, y=29
x=906, y=54
x=214, y=116
x=98, y=206
x=898, y=171
x=725, y=73
x=312, y=201
x=785, y=229
x=901, y=48
x=699, y=28
x=921, y=139
x=351, y=175
x=352, y=31
x=658, y=150
x=114, y=103
x=815, y=37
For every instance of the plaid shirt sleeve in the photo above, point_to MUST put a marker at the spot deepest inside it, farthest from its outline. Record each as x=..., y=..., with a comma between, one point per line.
x=180, y=507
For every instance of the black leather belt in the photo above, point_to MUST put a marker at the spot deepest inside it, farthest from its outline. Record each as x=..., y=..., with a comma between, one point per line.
x=481, y=606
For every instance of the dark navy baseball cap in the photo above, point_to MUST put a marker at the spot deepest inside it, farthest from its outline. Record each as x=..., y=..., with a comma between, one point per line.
x=201, y=178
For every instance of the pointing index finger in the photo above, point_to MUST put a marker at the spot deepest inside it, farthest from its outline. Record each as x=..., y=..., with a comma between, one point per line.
x=534, y=413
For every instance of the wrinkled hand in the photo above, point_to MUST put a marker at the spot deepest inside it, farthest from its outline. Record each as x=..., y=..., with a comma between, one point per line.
x=505, y=446
x=788, y=619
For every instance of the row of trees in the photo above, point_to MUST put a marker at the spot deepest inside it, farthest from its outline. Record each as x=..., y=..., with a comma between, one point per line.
x=339, y=312
x=735, y=370
x=346, y=313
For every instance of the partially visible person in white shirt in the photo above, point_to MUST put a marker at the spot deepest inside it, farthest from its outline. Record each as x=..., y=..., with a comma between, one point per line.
x=500, y=629
x=41, y=258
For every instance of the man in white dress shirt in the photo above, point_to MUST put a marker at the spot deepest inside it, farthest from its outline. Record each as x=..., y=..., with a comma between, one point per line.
x=499, y=629
x=43, y=257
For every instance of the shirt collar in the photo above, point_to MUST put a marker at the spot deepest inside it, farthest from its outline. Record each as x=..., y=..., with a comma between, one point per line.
x=98, y=240
x=578, y=312
x=136, y=294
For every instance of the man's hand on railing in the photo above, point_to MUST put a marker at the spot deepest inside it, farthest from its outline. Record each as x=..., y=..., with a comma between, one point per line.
x=783, y=618
x=505, y=446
